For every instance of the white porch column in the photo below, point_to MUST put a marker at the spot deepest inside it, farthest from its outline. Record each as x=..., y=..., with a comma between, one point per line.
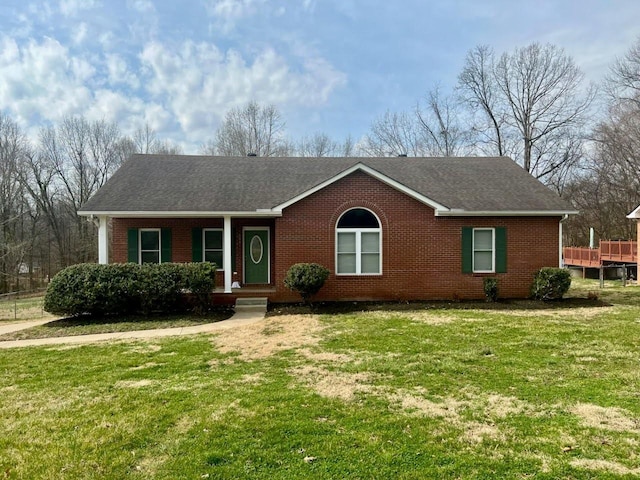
x=103, y=240
x=228, y=268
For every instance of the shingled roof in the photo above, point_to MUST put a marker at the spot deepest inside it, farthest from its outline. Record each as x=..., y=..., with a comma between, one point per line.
x=175, y=184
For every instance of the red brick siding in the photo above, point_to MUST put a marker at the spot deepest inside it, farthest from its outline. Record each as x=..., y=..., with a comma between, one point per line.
x=421, y=253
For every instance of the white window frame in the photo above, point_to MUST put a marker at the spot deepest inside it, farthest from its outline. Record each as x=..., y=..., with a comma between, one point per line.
x=359, y=232
x=140, y=231
x=493, y=250
x=204, y=248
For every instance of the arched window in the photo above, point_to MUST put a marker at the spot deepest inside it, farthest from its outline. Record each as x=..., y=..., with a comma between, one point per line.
x=358, y=243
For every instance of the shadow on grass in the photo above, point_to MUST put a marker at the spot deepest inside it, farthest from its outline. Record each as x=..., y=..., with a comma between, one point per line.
x=323, y=308
x=162, y=320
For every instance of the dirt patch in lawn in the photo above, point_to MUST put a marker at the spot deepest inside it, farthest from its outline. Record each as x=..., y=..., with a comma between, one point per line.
x=606, y=418
x=604, y=465
x=331, y=384
x=416, y=402
x=275, y=334
x=135, y=383
x=420, y=316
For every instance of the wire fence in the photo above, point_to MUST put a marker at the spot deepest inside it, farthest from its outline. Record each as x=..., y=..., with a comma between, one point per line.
x=23, y=305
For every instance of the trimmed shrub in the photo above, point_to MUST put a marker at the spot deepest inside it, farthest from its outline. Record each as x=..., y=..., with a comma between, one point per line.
x=200, y=280
x=93, y=289
x=160, y=287
x=550, y=283
x=306, y=278
x=120, y=289
x=490, y=285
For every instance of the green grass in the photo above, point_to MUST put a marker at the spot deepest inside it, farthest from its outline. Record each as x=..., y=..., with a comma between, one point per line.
x=541, y=393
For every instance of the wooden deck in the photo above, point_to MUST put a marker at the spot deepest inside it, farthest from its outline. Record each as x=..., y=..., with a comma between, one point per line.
x=608, y=252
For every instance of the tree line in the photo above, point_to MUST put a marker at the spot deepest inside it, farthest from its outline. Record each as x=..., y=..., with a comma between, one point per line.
x=531, y=104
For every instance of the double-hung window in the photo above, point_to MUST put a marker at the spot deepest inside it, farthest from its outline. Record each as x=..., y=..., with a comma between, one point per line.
x=484, y=250
x=150, y=245
x=358, y=243
x=212, y=246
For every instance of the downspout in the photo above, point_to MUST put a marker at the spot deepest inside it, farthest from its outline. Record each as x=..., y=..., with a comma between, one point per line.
x=564, y=217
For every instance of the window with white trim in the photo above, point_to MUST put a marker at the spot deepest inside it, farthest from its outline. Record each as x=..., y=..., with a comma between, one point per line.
x=484, y=250
x=150, y=245
x=358, y=243
x=212, y=246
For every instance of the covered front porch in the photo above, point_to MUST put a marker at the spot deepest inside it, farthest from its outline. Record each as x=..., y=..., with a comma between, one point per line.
x=242, y=246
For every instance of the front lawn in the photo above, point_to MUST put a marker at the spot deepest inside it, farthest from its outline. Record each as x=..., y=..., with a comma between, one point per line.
x=413, y=394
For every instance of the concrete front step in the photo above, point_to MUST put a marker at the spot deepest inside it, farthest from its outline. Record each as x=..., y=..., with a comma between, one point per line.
x=253, y=304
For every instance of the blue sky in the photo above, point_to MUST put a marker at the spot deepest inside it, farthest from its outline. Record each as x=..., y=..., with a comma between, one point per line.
x=330, y=66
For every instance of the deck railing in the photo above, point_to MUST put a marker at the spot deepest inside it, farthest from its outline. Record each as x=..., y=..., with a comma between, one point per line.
x=581, y=256
x=624, y=251
x=615, y=251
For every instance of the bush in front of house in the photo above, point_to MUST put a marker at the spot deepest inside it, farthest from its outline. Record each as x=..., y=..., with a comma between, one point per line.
x=550, y=283
x=306, y=278
x=121, y=289
x=200, y=280
x=490, y=285
x=92, y=289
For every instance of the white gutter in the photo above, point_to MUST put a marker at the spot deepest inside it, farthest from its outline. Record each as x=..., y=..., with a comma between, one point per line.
x=179, y=214
x=505, y=213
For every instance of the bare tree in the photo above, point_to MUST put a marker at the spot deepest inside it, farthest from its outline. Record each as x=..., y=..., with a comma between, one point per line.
x=623, y=82
x=318, y=145
x=478, y=89
x=252, y=129
x=145, y=140
x=442, y=131
x=394, y=134
x=609, y=188
x=14, y=208
x=533, y=94
x=74, y=160
x=432, y=129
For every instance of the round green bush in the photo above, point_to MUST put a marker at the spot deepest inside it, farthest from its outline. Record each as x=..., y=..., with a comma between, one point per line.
x=550, y=283
x=306, y=278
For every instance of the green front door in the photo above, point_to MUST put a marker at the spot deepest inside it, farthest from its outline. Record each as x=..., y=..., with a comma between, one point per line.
x=256, y=256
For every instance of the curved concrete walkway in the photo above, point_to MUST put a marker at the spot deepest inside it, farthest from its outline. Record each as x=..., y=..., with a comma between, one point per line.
x=238, y=319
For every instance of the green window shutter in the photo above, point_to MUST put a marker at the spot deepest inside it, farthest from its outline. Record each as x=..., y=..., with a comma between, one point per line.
x=501, y=250
x=467, y=249
x=132, y=245
x=196, y=244
x=165, y=254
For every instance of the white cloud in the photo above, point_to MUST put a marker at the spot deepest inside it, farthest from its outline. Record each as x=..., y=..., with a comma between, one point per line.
x=41, y=80
x=143, y=6
x=69, y=8
x=119, y=73
x=229, y=12
x=80, y=33
x=200, y=83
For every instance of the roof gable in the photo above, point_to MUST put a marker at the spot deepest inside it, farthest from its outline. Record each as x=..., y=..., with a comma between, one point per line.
x=370, y=171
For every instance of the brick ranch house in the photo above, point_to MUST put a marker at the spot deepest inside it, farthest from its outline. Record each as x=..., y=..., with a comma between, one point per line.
x=387, y=228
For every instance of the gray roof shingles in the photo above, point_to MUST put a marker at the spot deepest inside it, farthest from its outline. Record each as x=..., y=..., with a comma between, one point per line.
x=172, y=183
